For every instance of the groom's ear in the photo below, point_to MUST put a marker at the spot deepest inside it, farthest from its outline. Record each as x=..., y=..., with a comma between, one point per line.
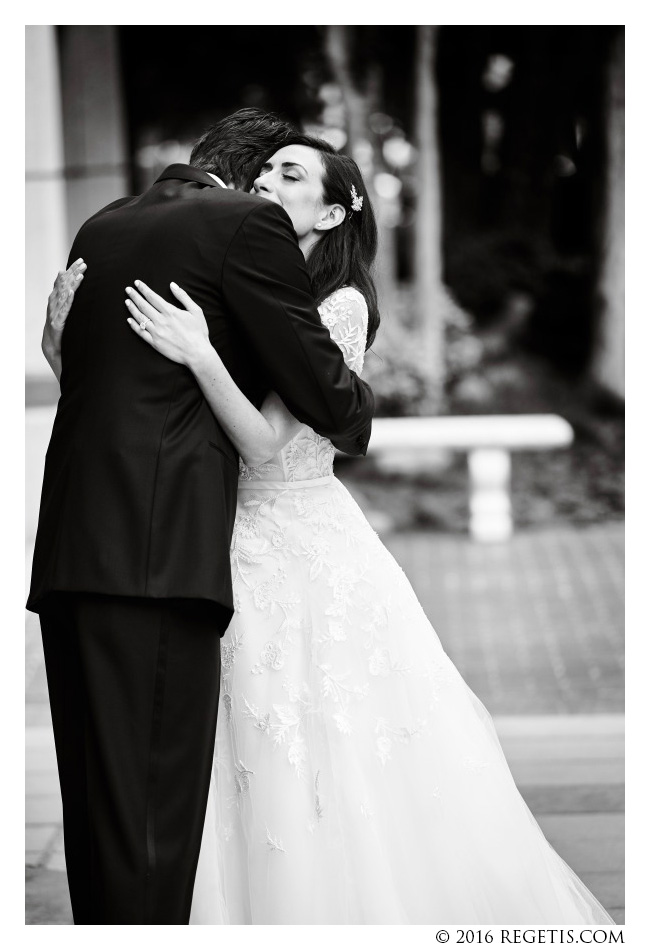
x=331, y=217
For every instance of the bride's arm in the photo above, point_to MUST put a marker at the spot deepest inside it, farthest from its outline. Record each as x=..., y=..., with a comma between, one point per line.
x=182, y=336
x=257, y=434
x=58, y=308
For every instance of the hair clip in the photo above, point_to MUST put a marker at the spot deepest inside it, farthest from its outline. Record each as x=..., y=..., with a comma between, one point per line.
x=357, y=200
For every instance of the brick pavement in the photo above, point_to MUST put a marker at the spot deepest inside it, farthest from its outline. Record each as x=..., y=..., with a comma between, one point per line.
x=535, y=625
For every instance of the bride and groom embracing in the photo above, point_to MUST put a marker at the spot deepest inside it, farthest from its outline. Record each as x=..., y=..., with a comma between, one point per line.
x=254, y=720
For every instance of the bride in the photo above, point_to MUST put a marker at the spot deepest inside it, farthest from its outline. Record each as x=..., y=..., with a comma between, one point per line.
x=357, y=779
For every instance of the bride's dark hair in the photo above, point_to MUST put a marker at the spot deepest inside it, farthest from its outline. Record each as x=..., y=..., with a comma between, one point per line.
x=343, y=256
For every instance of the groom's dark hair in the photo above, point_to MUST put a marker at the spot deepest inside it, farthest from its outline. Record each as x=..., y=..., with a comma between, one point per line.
x=233, y=145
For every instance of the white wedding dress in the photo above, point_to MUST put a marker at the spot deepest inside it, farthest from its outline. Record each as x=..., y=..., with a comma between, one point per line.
x=357, y=779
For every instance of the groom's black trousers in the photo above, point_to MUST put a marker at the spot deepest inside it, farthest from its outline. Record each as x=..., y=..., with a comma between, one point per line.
x=134, y=688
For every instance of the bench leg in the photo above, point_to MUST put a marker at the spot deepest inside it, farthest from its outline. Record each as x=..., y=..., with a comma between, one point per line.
x=489, y=500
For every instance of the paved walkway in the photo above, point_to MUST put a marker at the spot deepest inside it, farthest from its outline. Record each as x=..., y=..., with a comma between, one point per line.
x=536, y=628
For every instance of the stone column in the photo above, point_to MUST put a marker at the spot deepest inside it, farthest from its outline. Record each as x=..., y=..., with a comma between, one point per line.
x=45, y=216
x=94, y=123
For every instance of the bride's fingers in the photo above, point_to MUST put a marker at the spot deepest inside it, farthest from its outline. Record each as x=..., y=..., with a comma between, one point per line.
x=153, y=298
x=144, y=334
x=138, y=314
x=70, y=277
x=74, y=270
x=69, y=284
x=184, y=298
x=141, y=304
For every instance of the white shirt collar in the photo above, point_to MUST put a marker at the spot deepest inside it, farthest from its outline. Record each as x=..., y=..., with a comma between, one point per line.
x=218, y=180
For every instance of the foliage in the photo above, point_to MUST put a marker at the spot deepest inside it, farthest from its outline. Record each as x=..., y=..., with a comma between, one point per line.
x=484, y=268
x=395, y=368
x=491, y=273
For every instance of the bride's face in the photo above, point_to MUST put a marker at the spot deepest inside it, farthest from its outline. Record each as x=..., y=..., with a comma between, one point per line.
x=293, y=178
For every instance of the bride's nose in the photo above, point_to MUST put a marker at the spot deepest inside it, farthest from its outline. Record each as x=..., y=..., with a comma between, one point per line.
x=261, y=183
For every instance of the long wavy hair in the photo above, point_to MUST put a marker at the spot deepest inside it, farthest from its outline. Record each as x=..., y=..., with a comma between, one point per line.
x=344, y=255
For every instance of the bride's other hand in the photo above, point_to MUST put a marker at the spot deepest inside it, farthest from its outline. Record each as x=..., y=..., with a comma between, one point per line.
x=180, y=335
x=58, y=308
x=60, y=300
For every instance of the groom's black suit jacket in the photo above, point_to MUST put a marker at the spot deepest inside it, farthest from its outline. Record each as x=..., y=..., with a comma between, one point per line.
x=140, y=481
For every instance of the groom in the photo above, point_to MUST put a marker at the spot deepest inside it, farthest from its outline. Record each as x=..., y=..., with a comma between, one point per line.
x=131, y=571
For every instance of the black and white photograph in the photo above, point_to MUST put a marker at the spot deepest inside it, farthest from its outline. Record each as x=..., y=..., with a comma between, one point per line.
x=324, y=476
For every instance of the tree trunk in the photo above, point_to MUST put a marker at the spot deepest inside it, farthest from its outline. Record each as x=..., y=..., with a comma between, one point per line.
x=608, y=366
x=337, y=45
x=431, y=296
x=363, y=149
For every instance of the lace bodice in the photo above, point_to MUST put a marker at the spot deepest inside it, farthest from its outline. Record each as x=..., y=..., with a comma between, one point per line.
x=309, y=455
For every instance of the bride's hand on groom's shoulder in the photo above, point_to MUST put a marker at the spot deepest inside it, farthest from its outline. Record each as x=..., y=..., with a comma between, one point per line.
x=58, y=308
x=179, y=334
x=61, y=297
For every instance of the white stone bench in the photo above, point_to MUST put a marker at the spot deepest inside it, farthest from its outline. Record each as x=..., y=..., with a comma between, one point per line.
x=488, y=441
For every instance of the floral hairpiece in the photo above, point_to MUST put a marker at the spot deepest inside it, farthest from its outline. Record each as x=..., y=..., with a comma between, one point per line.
x=357, y=200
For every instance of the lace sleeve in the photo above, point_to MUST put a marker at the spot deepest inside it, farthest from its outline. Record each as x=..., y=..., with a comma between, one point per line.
x=345, y=315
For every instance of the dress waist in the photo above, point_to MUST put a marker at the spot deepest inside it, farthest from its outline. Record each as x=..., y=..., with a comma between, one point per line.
x=260, y=484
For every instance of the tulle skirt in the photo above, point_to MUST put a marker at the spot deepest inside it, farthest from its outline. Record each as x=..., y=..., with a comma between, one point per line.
x=357, y=778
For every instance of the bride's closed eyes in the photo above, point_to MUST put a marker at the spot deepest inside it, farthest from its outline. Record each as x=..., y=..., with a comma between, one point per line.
x=267, y=167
